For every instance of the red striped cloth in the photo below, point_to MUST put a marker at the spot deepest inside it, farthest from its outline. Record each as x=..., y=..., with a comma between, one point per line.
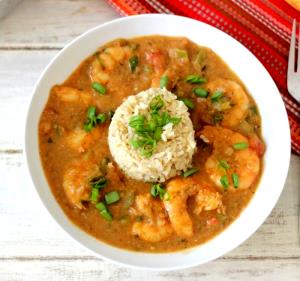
x=263, y=26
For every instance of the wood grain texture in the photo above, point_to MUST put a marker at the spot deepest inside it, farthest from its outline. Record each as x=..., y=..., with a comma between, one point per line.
x=50, y=24
x=32, y=246
x=19, y=71
x=95, y=270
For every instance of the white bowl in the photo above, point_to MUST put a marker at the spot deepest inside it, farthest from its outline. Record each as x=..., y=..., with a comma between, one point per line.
x=275, y=129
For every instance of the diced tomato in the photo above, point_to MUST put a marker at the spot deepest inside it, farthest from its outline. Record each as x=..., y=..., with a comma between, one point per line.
x=212, y=221
x=257, y=145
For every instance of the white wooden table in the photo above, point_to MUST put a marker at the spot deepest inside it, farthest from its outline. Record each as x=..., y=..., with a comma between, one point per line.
x=32, y=247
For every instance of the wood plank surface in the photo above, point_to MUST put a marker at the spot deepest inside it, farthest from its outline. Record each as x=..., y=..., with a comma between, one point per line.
x=50, y=24
x=95, y=270
x=32, y=246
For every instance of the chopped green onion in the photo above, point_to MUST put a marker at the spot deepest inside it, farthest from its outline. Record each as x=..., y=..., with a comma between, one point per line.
x=156, y=103
x=101, y=118
x=94, y=195
x=101, y=206
x=148, y=131
x=157, y=133
x=200, y=92
x=92, y=119
x=88, y=127
x=224, y=181
x=224, y=164
x=133, y=62
x=240, y=145
x=158, y=189
x=112, y=197
x=137, y=121
x=218, y=117
x=235, y=179
x=98, y=182
x=195, y=79
x=182, y=54
x=200, y=57
x=103, y=211
x=106, y=214
x=99, y=88
x=164, y=81
x=215, y=97
x=188, y=103
x=148, y=150
x=190, y=172
x=91, y=112
x=137, y=143
x=175, y=120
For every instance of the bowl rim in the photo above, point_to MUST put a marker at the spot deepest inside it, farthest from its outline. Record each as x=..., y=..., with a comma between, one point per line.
x=27, y=150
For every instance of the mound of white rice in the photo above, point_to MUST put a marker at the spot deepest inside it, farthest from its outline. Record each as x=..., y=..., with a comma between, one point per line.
x=174, y=151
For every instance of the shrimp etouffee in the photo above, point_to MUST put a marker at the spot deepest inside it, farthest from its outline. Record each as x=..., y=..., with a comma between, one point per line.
x=185, y=210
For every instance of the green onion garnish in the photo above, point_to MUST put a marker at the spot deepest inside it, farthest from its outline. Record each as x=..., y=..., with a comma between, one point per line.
x=99, y=88
x=240, y=145
x=137, y=122
x=175, y=120
x=91, y=112
x=200, y=92
x=157, y=189
x=218, y=117
x=188, y=103
x=101, y=118
x=98, y=182
x=112, y=197
x=101, y=206
x=224, y=164
x=164, y=81
x=235, y=179
x=190, y=172
x=103, y=211
x=133, y=62
x=156, y=103
x=107, y=215
x=224, y=181
x=216, y=96
x=195, y=79
x=93, y=119
x=148, y=131
x=94, y=195
x=157, y=133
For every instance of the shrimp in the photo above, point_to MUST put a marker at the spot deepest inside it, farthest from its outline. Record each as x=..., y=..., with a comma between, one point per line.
x=158, y=61
x=154, y=225
x=226, y=162
x=180, y=189
x=106, y=61
x=76, y=181
x=230, y=108
x=72, y=95
x=80, y=140
x=97, y=73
